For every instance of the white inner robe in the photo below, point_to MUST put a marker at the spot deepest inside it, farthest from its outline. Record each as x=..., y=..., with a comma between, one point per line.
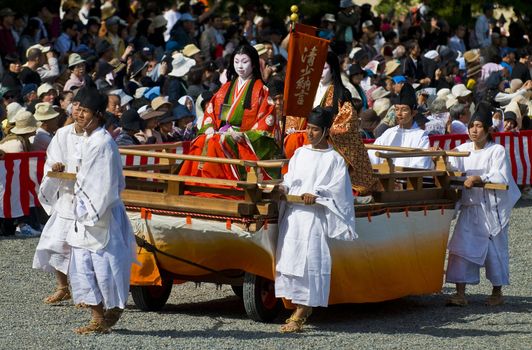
x=102, y=239
x=303, y=260
x=480, y=235
x=413, y=137
x=57, y=199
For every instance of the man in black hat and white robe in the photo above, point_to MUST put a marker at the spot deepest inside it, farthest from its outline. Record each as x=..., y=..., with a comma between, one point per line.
x=406, y=133
x=319, y=175
x=101, y=238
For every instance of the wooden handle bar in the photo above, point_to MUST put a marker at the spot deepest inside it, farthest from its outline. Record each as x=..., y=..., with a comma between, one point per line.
x=261, y=163
x=420, y=153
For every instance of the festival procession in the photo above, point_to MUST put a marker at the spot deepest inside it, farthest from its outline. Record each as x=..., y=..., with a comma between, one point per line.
x=300, y=156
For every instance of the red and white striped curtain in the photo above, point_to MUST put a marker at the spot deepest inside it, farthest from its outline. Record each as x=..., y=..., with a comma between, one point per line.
x=518, y=147
x=20, y=177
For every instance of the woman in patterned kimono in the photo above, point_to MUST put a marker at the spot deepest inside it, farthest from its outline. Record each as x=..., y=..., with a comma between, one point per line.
x=239, y=121
x=344, y=134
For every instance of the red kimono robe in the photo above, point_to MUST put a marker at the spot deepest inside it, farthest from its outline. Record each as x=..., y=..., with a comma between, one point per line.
x=230, y=130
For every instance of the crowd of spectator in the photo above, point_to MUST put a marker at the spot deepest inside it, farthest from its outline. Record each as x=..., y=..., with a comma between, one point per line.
x=159, y=66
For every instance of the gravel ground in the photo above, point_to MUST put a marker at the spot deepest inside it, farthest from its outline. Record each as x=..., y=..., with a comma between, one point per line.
x=207, y=317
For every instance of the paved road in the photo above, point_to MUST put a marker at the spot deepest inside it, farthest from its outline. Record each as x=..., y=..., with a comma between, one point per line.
x=204, y=317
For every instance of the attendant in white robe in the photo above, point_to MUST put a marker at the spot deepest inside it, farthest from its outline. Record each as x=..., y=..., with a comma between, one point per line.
x=480, y=237
x=406, y=134
x=102, y=239
x=57, y=197
x=319, y=175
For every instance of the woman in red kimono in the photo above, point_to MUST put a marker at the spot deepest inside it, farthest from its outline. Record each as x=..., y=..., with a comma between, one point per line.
x=239, y=121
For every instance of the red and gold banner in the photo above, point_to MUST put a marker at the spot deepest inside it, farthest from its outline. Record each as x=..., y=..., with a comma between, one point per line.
x=306, y=58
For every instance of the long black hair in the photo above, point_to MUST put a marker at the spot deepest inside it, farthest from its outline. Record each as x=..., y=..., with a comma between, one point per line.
x=340, y=94
x=244, y=49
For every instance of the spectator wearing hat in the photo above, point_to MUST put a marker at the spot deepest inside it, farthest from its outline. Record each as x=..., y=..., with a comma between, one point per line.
x=131, y=123
x=77, y=66
x=212, y=40
x=327, y=30
x=167, y=129
x=192, y=51
x=44, y=113
x=7, y=18
x=40, y=60
x=12, y=69
x=356, y=74
x=21, y=135
x=482, y=26
x=136, y=71
x=510, y=122
x=148, y=134
x=503, y=98
x=46, y=93
x=29, y=94
x=175, y=85
x=184, y=129
x=184, y=30
x=11, y=111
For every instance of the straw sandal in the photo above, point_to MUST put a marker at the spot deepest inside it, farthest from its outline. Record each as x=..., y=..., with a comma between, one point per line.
x=94, y=327
x=297, y=323
x=456, y=300
x=61, y=294
x=112, y=316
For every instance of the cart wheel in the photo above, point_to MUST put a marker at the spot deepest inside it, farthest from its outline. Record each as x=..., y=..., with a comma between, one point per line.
x=151, y=298
x=238, y=290
x=259, y=298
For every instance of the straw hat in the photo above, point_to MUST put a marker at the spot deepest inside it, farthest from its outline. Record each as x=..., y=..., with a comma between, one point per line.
x=124, y=98
x=44, y=111
x=474, y=70
x=379, y=92
x=11, y=111
x=261, y=49
x=150, y=113
x=43, y=49
x=74, y=59
x=44, y=89
x=25, y=123
x=181, y=65
x=107, y=10
x=382, y=105
x=471, y=56
x=139, y=93
x=391, y=66
x=443, y=92
x=158, y=21
x=329, y=17
x=160, y=101
x=460, y=90
x=190, y=50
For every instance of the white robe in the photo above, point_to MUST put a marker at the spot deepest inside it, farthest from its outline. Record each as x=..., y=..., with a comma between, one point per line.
x=414, y=138
x=102, y=239
x=303, y=260
x=480, y=235
x=57, y=199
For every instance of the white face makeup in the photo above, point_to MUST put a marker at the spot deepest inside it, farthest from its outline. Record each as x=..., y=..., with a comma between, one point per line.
x=243, y=66
x=326, y=75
